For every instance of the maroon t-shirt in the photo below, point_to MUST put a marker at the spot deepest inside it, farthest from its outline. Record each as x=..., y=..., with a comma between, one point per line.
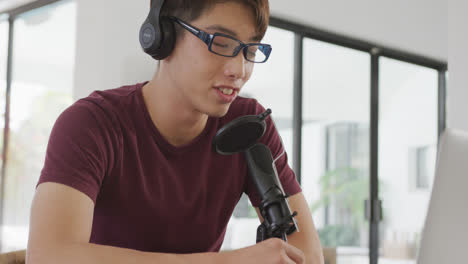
x=148, y=194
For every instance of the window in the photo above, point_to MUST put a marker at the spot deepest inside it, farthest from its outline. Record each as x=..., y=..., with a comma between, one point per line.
x=4, y=25
x=3, y=72
x=42, y=81
x=336, y=133
x=347, y=161
x=422, y=167
x=407, y=134
x=335, y=146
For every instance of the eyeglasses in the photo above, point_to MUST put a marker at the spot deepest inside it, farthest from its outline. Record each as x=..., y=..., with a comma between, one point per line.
x=227, y=46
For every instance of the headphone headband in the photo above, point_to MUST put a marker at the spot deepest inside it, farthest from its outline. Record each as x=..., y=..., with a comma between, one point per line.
x=157, y=4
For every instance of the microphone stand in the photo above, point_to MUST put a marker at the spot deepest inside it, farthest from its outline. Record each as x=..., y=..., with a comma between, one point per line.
x=274, y=208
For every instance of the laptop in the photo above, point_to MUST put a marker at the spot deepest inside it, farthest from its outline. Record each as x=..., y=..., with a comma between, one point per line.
x=445, y=235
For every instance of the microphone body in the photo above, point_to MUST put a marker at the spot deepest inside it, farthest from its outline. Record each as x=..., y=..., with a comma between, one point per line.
x=274, y=208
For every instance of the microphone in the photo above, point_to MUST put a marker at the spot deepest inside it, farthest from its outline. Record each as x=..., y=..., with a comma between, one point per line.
x=241, y=135
x=274, y=208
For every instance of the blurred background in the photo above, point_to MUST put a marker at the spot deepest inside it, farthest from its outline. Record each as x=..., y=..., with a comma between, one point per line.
x=360, y=93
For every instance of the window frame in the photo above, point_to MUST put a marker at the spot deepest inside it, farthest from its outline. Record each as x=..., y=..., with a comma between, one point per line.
x=374, y=204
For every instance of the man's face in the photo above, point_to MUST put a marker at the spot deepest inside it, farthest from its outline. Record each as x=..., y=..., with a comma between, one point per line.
x=199, y=75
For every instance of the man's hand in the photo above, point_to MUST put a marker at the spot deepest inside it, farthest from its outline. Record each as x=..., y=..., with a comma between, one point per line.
x=307, y=240
x=271, y=251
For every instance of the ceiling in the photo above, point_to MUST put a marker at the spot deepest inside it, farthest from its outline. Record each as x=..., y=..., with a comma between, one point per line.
x=10, y=4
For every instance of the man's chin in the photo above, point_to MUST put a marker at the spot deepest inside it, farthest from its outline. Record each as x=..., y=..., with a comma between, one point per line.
x=220, y=112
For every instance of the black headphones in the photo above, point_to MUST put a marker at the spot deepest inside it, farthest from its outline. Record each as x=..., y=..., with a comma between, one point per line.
x=157, y=34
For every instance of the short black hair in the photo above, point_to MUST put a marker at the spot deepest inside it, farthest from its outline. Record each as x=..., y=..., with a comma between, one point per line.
x=189, y=10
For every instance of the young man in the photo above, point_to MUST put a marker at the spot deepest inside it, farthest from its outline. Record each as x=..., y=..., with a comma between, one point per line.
x=130, y=175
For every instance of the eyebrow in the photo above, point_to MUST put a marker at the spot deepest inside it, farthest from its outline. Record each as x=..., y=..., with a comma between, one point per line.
x=232, y=33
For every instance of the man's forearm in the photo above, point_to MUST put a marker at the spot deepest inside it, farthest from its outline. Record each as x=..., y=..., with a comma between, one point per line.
x=310, y=246
x=94, y=254
x=307, y=239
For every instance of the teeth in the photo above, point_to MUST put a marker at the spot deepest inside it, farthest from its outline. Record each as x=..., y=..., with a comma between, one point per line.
x=226, y=91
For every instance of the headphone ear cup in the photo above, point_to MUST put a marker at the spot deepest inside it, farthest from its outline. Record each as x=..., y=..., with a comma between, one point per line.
x=148, y=39
x=168, y=38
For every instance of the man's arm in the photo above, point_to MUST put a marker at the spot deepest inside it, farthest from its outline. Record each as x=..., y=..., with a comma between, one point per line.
x=307, y=239
x=60, y=229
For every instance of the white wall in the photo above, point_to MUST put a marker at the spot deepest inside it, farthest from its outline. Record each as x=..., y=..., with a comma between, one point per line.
x=457, y=108
x=108, y=52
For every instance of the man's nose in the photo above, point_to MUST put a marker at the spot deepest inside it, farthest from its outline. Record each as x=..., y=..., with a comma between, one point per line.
x=235, y=66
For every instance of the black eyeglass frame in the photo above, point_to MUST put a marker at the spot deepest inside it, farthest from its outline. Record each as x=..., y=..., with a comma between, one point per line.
x=208, y=39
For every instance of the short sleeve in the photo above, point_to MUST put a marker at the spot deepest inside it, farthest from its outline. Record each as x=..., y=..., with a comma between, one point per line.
x=286, y=175
x=79, y=151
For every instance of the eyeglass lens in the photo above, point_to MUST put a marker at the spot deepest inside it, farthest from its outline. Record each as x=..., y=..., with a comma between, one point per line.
x=229, y=47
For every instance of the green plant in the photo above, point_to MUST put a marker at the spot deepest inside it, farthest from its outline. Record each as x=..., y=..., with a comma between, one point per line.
x=334, y=235
x=347, y=189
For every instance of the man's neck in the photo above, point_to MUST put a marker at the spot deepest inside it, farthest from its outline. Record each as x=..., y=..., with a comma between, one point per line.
x=170, y=113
